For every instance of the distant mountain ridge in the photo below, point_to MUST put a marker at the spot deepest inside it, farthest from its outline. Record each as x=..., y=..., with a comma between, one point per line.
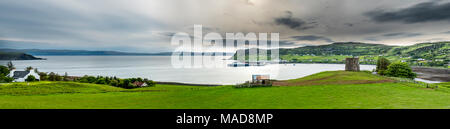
x=17, y=56
x=340, y=48
x=40, y=52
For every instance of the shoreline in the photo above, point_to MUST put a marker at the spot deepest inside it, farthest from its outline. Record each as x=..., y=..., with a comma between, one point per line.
x=432, y=74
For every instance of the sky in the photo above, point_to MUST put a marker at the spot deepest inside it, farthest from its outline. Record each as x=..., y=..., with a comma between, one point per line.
x=147, y=25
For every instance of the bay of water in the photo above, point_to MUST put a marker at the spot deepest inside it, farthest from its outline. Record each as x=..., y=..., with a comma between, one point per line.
x=159, y=68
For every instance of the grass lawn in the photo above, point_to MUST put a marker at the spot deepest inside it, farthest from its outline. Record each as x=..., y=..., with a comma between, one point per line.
x=377, y=94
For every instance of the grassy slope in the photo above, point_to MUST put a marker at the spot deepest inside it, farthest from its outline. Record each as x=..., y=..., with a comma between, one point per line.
x=335, y=77
x=376, y=95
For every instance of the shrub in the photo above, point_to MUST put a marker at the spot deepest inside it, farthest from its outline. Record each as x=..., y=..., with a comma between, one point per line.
x=43, y=76
x=149, y=82
x=114, y=83
x=400, y=69
x=30, y=78
x=4, y=70
x=250, y=85
x=54, y=77
x=382, y=65
x=5, y=79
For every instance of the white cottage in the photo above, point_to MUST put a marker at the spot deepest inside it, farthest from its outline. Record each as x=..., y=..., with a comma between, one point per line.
x=20, y=76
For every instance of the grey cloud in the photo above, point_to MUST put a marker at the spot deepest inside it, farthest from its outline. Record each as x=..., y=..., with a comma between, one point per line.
x=102, y=24
x=293, y=23
x=422, y=12
x=372, y=39
x=402, y=34
x=349, y=24
x=393, y=35
x=47, y=21
x=167, y=34
x=286, y=43
x=312, y=38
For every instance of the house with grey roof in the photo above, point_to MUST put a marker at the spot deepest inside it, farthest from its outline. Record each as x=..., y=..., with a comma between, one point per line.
x=20, y=76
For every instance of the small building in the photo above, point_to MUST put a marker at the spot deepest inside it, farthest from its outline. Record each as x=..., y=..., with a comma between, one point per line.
x=140, y=84
x=261, y=79
x=20, y=76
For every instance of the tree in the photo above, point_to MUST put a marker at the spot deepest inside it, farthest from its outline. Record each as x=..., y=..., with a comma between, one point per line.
x=10, y=66
x=43, y=76
x=400, y=69
x=4, y=70
x=30, y=78
x=54, y=77
x=101, y=81
x=382, y=65
x=29, y=68
x=66, y=77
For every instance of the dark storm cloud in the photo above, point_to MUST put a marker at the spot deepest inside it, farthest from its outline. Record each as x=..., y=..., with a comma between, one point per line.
x=293, y=23
x=286, y=43
x=422, y=12
x=312, y=38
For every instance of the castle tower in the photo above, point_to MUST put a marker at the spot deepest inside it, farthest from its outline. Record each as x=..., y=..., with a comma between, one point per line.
x=352, y=64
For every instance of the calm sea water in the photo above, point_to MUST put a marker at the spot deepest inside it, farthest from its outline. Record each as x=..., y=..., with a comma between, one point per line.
x=159, y=68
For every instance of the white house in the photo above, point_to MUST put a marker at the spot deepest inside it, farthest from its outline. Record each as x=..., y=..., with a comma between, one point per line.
x=20, y=76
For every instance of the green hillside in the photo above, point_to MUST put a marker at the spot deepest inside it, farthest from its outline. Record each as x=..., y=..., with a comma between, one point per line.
x=335, y=77
x=423, y=54
x=427, y=54
x=350, y=48
x=351, y=90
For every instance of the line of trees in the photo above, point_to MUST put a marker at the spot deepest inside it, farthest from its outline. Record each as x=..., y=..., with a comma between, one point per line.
x=128, y=83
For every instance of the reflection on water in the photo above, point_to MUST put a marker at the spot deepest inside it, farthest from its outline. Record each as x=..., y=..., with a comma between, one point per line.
x=159, y=68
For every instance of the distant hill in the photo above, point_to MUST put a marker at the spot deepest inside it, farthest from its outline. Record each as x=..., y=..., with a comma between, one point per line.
x=423, y=54
x=17, y=56
x=39, y=52
x=440, y=50
x=340, y=48
x=344, y=48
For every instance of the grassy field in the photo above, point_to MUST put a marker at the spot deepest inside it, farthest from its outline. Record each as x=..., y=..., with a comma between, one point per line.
x=331, y=90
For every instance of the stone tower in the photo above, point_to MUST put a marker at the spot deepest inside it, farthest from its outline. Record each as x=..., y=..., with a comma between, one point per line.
x=352, y=64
